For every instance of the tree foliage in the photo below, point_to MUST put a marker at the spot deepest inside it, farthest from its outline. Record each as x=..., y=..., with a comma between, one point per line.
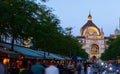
x=18, y=18
x=113, y=51
x=23, y=19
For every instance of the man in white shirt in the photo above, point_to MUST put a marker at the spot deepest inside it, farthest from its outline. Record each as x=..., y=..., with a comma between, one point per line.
x=52, y=69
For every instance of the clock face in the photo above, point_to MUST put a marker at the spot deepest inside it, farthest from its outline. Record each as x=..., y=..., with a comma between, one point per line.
x=91, y=32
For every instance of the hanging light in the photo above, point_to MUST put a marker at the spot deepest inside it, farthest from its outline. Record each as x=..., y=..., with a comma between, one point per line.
x=6, y=60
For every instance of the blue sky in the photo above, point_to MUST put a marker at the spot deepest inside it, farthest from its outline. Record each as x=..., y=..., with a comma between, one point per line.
x=74, y=13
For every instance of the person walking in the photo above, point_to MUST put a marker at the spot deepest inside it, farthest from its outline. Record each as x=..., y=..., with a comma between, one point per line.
x=85, y=68
x=52, y=69
x=71, y=67
x=1, y=68
x=89, y=69
x=79, y=67
x=24, y=68
x=38, y=68
x=60, y=66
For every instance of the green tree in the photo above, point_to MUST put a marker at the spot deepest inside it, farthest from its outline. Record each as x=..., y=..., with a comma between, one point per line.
x=113, y=50
x=69, y=45
x=26, y=19
x=18, y=18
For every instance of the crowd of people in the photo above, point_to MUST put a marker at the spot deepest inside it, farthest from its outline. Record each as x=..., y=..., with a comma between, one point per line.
x=40, y=66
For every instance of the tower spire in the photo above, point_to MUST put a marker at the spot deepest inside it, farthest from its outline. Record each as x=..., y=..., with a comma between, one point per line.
x=119, y=22
x=101, y=29
x=89, y=17
x=119, y=26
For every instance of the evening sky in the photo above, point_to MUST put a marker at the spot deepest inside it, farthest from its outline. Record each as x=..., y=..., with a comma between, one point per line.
x=74, y=13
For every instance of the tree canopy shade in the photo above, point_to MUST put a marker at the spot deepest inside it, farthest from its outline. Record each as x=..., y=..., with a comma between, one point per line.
x=23, y=19
x=18, y=17
x=113, y=51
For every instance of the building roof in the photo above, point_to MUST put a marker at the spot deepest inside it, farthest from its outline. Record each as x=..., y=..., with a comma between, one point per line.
x=112, y=36
x=117, y=29
x=80, y=37
x=89, y=24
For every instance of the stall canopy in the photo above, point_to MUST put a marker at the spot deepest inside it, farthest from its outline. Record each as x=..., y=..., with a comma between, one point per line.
x=34, y=53
x=56, y=56
x=80, y=58
x=48, y=55
x=9, y=53
x=22, y=50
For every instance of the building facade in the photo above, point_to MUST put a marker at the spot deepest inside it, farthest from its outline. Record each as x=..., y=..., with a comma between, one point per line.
x=92, y=38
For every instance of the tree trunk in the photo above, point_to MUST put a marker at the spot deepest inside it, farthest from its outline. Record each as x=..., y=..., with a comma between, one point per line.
x=0, y=38
x=12, y=44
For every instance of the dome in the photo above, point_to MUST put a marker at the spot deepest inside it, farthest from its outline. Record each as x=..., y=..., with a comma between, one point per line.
x=90, y=25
